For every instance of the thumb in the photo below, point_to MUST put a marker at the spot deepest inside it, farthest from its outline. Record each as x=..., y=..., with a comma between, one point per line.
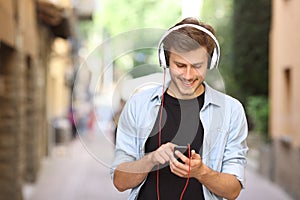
x=195, y=155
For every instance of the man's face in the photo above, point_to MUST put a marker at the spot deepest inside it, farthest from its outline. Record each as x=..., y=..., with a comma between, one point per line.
x=187, y=71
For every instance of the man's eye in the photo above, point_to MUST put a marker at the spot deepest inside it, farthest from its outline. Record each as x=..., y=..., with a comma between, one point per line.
x=180, y=65
x=197, y=66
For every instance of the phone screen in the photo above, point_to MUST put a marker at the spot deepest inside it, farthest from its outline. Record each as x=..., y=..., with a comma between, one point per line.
x=182, y=149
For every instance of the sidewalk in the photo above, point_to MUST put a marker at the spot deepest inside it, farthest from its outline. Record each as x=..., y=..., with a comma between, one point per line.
x=73, y=172
x=259, y=188
x=79, y=171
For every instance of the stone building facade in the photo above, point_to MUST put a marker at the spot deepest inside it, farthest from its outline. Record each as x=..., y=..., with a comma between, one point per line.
x=284, y=155
x=28, y=29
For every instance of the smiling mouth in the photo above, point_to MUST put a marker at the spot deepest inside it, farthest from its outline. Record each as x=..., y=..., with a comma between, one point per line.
x=188, y=83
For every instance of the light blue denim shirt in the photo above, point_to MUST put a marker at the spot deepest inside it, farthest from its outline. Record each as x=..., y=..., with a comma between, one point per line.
x=225, y=133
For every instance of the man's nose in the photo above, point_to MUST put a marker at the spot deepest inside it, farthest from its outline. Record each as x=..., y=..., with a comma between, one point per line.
x=188, y=73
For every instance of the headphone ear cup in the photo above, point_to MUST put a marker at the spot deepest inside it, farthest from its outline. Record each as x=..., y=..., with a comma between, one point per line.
x=213, y=60
x=162, y=57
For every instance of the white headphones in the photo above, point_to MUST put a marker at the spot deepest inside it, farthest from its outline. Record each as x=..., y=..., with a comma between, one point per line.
x=215, y=55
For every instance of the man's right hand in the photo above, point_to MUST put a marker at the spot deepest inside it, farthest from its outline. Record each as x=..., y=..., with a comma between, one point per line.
x=162, y=155
x=130, y=174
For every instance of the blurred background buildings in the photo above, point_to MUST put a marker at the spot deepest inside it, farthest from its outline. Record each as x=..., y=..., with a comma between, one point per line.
x=38, y=56
x=282, y=160
x=46, y=45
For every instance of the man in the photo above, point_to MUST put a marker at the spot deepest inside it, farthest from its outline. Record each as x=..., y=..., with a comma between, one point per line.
x=187, y=112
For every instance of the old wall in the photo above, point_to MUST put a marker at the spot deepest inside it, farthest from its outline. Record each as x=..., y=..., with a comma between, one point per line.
x=23, y=124
x=284, y=96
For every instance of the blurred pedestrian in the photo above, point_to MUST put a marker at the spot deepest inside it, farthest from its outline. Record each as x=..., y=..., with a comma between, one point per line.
x=72, y=121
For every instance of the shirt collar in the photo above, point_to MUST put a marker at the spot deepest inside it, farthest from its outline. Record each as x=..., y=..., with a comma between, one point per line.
x=212, y=96
x=158, y=92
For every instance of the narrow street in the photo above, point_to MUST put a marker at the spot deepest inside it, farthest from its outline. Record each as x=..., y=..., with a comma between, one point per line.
x=80, y=170
x=73, y=172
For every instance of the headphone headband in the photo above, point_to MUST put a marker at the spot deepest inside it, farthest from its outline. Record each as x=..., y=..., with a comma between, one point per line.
x=216, y=52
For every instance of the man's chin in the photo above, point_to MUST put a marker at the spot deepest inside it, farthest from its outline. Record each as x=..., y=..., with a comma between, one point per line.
x=188, y=94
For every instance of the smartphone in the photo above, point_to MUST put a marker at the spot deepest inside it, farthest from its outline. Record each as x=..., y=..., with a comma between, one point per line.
x=182, y=149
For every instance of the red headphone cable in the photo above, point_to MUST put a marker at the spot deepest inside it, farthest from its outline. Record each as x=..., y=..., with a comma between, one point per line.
x=189, y=173
x=159, y=132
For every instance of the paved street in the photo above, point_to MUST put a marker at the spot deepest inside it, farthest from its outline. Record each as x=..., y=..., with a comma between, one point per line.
x=79, y=171
x=76, y=172
x=259, y=188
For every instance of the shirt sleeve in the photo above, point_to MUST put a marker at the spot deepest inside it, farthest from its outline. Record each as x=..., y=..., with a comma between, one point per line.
x=126, y=141
x=234, y=161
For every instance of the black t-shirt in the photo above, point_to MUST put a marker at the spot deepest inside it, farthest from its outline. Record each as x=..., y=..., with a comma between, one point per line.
x=181, y=125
